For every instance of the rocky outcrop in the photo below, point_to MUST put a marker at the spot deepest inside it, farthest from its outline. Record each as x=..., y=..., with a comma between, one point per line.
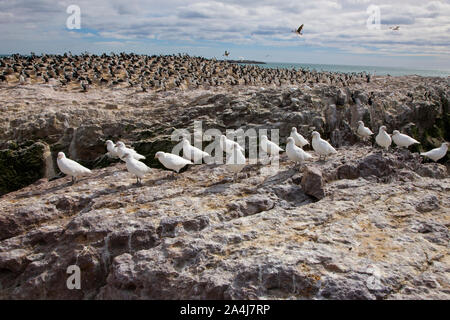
x=79, y=123
x=380, y=232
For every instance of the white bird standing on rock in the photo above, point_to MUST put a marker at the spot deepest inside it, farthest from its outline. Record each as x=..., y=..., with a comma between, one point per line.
x=269, y=147
x=295, y=153
x=121, y=150
x=298, y=138
x=172, y=161
x=139, y=169
x=70, y=167
x=193, y=153
x=437, y=153
x=402, y=140
x=227, y=144
x=383, y=139
x=322, y=147
x=363, y=131
x=112, y=149
x=236, y=161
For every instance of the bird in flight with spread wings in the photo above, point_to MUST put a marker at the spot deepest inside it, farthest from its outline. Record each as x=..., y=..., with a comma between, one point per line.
x=226, y=54
x=299, y=30
x=396, y=28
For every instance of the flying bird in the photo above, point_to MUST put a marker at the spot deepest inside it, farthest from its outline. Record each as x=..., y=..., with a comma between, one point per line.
x=396, y=28
x=226, y=54
x=299, y=30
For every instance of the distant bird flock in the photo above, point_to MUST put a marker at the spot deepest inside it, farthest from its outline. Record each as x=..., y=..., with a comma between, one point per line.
x=235, y=153
x=159, y=73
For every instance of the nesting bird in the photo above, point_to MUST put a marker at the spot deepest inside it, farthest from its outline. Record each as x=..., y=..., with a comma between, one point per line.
x=298, y=138
x=437, y=153
x=363, y=131
x=403, y=140
x=322, y=147
x=172, y=161
x=70, y=167
x=295, y=153
x=383, y=139
x=136, y=167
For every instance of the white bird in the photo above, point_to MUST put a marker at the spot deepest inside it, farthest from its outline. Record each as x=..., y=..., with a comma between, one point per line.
x=193, y=153
x=70, y=167
x=269, y=147
x=112, y=149
x=139, y=169
x=383, y=139
x=236, y=160
x=172, y=161
x=227, y=144
x=402, y=140
x=437, y=153
x=295, y=153
x=363, y=131
x=322, y=147
x=298, y=138
x=121, y=150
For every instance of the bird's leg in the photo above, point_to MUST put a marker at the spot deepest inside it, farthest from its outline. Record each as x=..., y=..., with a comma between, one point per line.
x=74, y=180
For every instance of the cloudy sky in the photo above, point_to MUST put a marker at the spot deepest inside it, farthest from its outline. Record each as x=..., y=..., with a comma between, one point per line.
x=335, y=32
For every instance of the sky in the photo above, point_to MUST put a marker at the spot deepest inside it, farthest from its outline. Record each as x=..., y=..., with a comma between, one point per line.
x=335, y=32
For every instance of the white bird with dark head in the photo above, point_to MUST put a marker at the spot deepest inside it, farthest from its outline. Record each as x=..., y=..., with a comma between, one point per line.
x=299, y=140
x=403, y=140
x=437, y=153
x=70, y=167
x=322, y=147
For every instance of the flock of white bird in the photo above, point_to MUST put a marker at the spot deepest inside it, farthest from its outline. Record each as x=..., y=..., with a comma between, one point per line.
x=236, y=160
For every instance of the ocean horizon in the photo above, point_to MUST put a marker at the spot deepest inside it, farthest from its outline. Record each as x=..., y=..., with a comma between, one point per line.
x=341, y=68
x=377, y=70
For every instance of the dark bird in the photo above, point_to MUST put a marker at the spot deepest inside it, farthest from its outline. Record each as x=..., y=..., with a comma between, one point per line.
x=396, y=28
x=226, y=54
x=299, y=30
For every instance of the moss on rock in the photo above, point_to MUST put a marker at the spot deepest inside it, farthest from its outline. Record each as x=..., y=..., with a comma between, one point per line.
x=21, y=166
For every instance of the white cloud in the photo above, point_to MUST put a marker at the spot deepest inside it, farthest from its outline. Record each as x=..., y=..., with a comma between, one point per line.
x=424, y=26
